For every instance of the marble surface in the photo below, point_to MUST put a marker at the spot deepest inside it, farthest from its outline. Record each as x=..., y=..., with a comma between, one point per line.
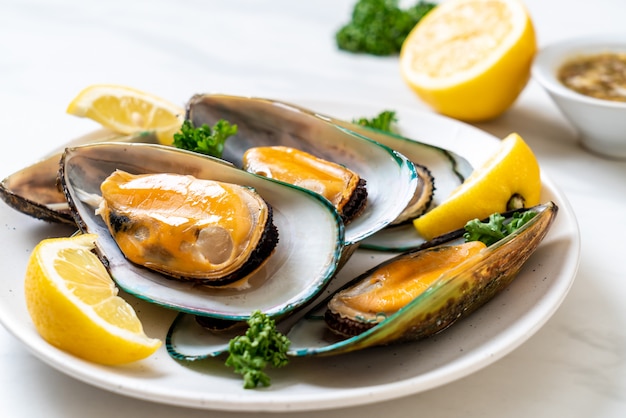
x=575, y=366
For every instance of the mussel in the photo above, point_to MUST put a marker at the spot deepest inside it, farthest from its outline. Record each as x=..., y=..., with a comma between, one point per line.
x=393, y=183
x=202, y=230
x=344, y=188
x=392, y=285
x=424, y=291
x=131, y=192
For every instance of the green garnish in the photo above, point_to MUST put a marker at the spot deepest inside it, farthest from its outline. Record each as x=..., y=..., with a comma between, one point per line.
x=383, y=121
x=495, y=229
x=204, y=139
x=379, y=27
x=249, y=354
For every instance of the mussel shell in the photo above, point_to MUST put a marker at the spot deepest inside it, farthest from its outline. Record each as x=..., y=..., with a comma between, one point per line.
x=34, y=190
x=304, y=260
x=392, y=180
x=449, y=299
x=445, y=169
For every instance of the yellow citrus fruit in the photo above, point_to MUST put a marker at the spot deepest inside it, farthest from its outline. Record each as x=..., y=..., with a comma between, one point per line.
x=510, y=175
x=74, y=304
x=470, y=59
x=127, y=110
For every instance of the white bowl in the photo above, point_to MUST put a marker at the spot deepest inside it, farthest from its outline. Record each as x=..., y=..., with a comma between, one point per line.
x=601, y=124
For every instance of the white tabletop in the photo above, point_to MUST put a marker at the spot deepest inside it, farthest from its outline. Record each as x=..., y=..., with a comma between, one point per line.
x=575, y=366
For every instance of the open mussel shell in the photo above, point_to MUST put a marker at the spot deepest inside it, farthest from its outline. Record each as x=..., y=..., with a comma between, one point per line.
x=447, y=168
x=392, y=180
x=308, y=253
x=34, y=190
x=449, y=299
x=439, y=169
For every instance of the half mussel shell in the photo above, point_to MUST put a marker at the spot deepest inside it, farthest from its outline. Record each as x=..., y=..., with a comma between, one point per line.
x=391, y=179
x=452, y=297
x=303, y=261
x=35, y=191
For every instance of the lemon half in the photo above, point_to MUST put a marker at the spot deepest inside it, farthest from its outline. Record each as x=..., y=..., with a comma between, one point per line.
x=470, y=59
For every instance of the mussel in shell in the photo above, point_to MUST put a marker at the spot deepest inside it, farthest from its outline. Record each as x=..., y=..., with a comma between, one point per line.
x=192, y=229
x=281, y=282
x=423, y=291
x=344, y=188
x=391, y=286
x=392, y=180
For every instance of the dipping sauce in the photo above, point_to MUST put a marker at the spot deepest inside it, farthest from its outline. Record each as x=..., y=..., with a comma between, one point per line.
x=602, y=76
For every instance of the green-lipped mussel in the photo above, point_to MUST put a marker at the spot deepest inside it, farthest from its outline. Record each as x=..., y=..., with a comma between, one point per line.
x=463, y=276
x=344, y=188
x=202, y=230
x=271, y=123
x=130, y=196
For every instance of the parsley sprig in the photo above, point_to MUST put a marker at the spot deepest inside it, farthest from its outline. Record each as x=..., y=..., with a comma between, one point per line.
x=204, y=139
x=261, y=345
x=495, y=229
x=383, y=121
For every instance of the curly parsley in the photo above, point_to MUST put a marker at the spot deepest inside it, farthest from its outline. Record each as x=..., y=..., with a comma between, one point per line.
x=204, y=139
x=261, y=345
x=495, y=229
x=379, y=27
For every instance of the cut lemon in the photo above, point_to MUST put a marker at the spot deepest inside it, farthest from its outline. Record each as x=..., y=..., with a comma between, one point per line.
x=127, y=110
x=510, y=177
x=74, y=304
x=470, y=59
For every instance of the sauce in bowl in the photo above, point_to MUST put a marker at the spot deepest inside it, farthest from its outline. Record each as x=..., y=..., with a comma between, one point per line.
x=601, y=76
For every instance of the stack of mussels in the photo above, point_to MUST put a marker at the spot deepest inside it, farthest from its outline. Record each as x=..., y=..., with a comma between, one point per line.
x=196, y=220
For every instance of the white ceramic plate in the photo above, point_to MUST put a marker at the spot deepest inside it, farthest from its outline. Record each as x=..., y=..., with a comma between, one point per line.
x=364, y=377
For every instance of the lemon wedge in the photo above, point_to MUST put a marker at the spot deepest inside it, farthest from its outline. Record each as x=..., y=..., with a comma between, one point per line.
x=511, y=174
x=74, y=305
x=127, y=110
x=470, y=59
